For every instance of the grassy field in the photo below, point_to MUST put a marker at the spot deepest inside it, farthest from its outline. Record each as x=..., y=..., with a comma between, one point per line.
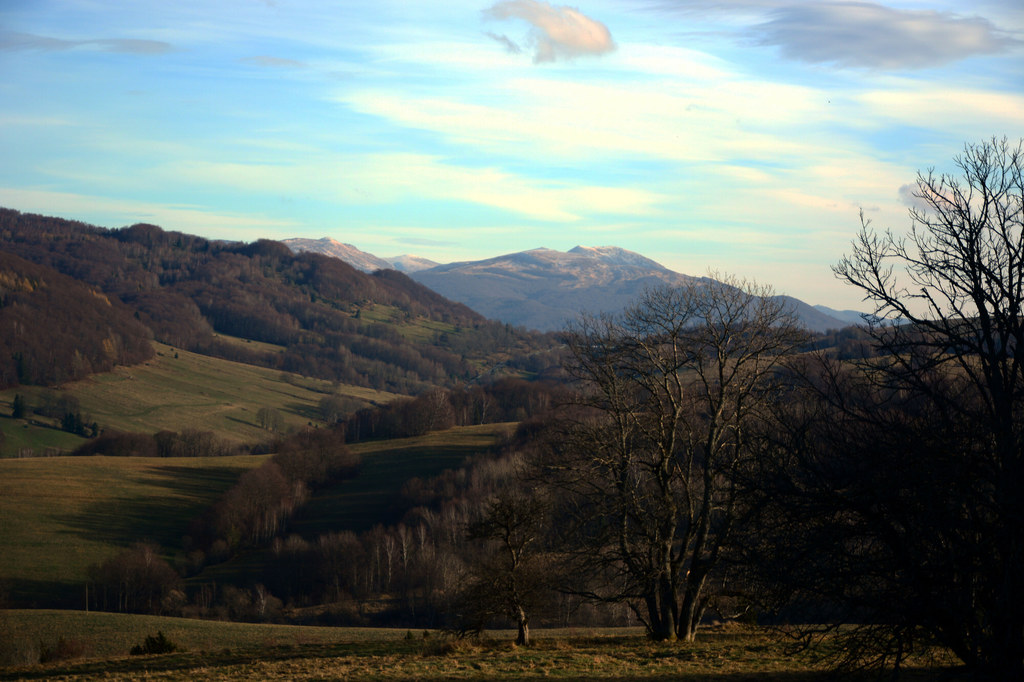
x=375, y=495
x=99, y=643
x=359, y=504
x=414, y=329
x=179, y=390
x=59, y=515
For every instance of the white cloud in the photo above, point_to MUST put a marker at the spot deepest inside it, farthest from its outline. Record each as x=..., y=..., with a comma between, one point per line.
x=558, y=33
x=703, y=118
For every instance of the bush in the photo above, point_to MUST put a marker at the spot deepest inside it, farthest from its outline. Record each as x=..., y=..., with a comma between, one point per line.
x=155, y=644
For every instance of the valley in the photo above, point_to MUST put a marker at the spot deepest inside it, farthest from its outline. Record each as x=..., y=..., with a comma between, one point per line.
x=234, y=433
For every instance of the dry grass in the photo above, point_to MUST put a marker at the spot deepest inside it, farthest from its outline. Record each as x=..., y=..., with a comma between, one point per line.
x=233, y=651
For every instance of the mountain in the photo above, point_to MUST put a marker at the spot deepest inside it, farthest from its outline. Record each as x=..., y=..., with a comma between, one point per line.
x=542, y=288
x=360, y=260
x=320, y=316
x=847, y=316
x=409, y=264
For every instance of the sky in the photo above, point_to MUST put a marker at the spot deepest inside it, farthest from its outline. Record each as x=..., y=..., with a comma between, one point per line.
x=732, y=136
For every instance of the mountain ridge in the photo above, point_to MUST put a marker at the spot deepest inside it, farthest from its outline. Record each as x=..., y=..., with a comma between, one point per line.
x=543, y=288
x=360, y=260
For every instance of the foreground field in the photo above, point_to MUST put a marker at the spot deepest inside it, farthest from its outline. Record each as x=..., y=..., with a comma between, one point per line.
x=235, y=651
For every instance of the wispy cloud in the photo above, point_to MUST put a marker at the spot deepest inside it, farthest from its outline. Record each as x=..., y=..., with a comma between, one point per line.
x=862, y=34
x=389, y=178
x=509, y=44
x=557, y=32
x=11, y=40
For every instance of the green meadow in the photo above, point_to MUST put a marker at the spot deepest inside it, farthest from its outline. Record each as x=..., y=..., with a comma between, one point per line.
x=179, y=390
x=360, y=504
x=59, y=515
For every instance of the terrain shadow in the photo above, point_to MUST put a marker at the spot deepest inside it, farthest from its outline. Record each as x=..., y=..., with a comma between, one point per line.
x=126, y=520
x=25, y=593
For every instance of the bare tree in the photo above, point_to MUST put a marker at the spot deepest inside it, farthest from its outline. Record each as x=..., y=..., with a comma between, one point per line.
x=952, y=291
x=509, y=578
x=670, y=388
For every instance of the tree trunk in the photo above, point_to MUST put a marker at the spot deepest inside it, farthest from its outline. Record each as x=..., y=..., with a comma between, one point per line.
x=661, y=611
x=692, y=611
x=523, y=639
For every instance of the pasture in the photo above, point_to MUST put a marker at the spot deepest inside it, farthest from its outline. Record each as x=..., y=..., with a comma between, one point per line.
x=97, y=645
x=179, y=390
x=59, y=515
x=363, y=502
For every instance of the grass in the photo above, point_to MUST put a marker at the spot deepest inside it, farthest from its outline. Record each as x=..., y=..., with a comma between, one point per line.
x=230, y=651
x=374, y=496
x=370, y=499
x=418, y=329
x=24, y=436
x=59, y=515
x=179, y=390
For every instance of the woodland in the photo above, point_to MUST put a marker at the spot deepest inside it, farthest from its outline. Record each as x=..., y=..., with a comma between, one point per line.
x=697, y=457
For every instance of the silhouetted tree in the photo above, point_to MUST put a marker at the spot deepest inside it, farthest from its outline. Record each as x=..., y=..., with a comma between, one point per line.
x=671, y=388
x=898, y=493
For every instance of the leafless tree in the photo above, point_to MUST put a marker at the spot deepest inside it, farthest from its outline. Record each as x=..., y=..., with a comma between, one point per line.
x=670, y=388
x=509, y=579
x=951, y=293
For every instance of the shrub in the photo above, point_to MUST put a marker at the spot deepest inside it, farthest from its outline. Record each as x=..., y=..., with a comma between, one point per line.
x=154, y=644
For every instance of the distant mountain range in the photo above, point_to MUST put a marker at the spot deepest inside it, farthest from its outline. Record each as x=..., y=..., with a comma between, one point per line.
x=360, y=260
x=543, y=288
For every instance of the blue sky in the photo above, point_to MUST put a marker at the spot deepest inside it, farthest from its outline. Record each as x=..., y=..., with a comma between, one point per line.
x=741, y=136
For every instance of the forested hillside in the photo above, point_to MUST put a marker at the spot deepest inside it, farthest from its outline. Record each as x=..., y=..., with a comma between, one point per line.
x=96, y=331
x=329, y=320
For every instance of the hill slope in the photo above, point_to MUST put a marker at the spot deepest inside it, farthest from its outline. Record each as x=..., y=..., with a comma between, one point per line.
x=543, y=288
x=383, y=330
